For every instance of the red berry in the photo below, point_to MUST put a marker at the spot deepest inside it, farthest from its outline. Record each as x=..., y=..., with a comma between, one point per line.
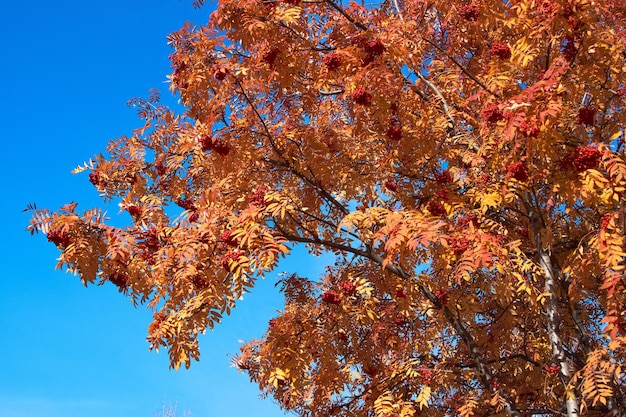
x=443, y=296
x=492, y=113
x=582, y=158
x=220, y=147
x=470, y=12
x=361, y=96
x=60, y=238
x=459, y=245
x=229, y=239
x=443, y=177
x=331, y=297
x=394, y=132
x=120, y=280
x=519, y=171
x=332, y=61
x=400, y=293
x=269, y=56
x=374, y=48
x=272, y=323
x=135, y=211
x=220, y=73
x=94, y=178
x=199, y=283
x=391, y=186
x=436, y=208
x=258, y=197
x=206, y=142
x=529, y=130
x=586, y=116
x=227, y=259
x=186, y=204
x=501, y=50
x=347, y=288
x=606, y=219
x=160, y=168
x=569, y=49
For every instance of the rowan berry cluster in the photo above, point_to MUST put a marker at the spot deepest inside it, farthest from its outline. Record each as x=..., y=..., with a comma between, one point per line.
x=186, y=204
x=443, y=295
x=519, y=171
x=226, y=260
x=436, y=208
x=347, y=288
x=270, y=55
x=444, y=177
x=586, y=116
x=208, y=143
x=228, y=238
x=361, y=96
x=60, y=238
x=394, y=132
x=391, y=186
x=529, y=130
x=582, y=158
x=470, y=12
x=331, y=297
x=459, y=245
x=120, y=280
x=134, y=210
x=257, y=198
x=492, y=113
x=220, y=73
x=94, y=178
x=501, y=50
x=199, y=283
x=332, y=61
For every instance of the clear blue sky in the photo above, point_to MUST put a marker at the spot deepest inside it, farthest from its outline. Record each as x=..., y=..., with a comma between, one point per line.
x=68, y=68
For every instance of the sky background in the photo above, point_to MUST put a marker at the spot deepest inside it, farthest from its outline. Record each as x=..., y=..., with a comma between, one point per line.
x=67, y=70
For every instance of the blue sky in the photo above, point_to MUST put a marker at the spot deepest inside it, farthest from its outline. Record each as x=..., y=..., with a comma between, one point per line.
x=68, y=68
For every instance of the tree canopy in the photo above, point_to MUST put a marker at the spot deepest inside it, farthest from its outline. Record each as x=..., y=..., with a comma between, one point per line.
x=463, y=161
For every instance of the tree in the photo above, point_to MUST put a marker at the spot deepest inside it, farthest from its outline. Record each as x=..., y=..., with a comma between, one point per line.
x=464, y=162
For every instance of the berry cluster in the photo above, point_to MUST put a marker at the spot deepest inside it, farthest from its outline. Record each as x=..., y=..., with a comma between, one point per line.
x=186, y=204
x=569, y=49
x=347, y=288
x=436, y=208
x=400, y=293
x=331, y=297
x=120, y=280
x=361, y=96
x=229, y=239
x=135, y=211
x=60, y=238
x=519, y=171
x=210, y=144
x=272, y=323
x=199, y=283
x=394, y=132
x=229, y=258
x=459, y=245
x=443, y=296
x=258, y=197
x=94, y=178
x=463, y=221
x=529, y=130
x=470, y=12
x=332, y=61
x=270, y=55
x=444, y=177
x=220, y=73
x=391, y=186
x=426, y=375
x=371, y=47
x=586, y=116
x=582, y=158
x=160, y=168
x=606, y=219
x=552, y=370
x=501, y=50
x=492, y=113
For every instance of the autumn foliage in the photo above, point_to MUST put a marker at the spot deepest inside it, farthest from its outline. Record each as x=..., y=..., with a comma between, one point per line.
x=463, y=161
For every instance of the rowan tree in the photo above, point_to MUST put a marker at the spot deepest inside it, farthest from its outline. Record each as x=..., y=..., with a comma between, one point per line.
x=463, y=161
